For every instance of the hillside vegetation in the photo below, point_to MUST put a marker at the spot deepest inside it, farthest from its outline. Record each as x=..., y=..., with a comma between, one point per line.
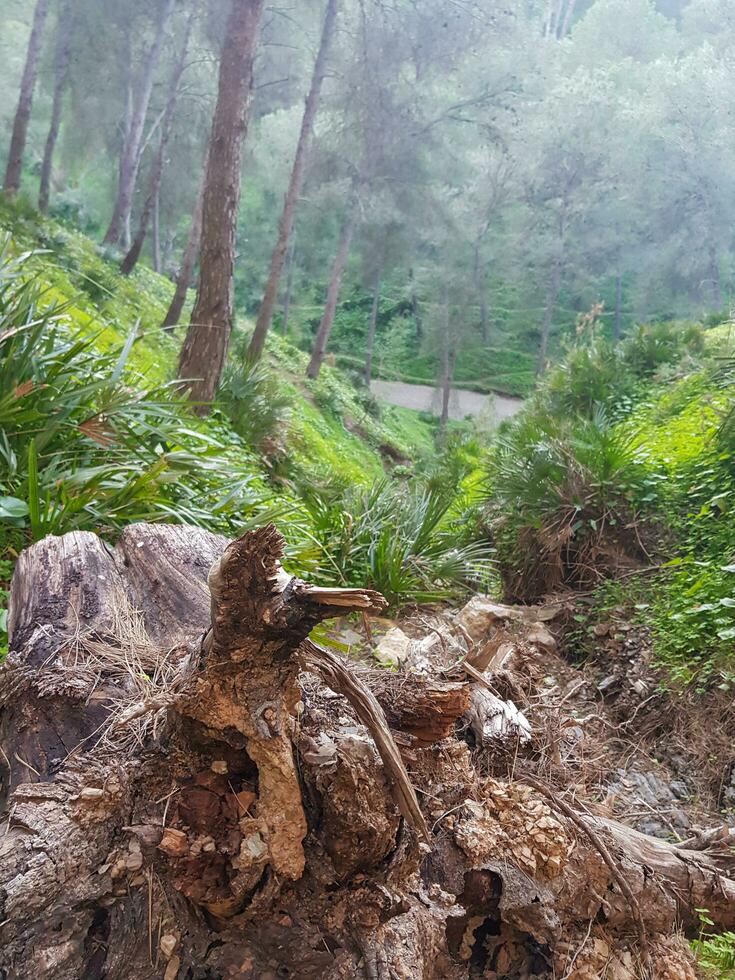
x=617, y=480
x=95, y=434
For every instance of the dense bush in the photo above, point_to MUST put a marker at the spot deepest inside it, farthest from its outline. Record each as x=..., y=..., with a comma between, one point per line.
x=255, y=403
x=577, y=490
x=649, y=346
x=565, y=496
x=83, y=441
x=403, y=541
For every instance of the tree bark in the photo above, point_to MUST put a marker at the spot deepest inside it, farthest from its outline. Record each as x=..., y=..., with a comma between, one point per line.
x=448, y=358
x=62, y=54
x=372, y=326
x=154, y=180
x=118, y=229
x=617, y=322
x=480, y=289
x=415, y=311
x=156, y=232
x=714, y=271
x=185, y=796
x=290, y=263
x=568, y=14
x=285, y=223
x=335, y=279
x=11, y=184
x=188, y=259
x=203, y=354
x=551, y=297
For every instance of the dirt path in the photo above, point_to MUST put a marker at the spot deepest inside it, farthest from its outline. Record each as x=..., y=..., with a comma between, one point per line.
x=424, y=398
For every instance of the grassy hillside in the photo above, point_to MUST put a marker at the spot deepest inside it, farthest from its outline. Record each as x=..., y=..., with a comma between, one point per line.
x=94, y=433
x=618, y=479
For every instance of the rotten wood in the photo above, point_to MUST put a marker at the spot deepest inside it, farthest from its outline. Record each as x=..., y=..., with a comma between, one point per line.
x=250, y=822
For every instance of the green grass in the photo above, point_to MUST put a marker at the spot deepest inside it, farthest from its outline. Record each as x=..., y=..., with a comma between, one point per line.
x=94, y=434
x=657, y=483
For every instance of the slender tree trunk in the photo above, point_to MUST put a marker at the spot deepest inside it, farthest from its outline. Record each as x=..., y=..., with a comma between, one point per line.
x=552, y=18
x=203, y=354
x=11, y=184
x=568, y=14
x=372, y=326
x=156, y=232
x=335, y=279
x=448, y=358
x=290, y=263
x=285, y=224
x=714, y=272
x=480, y=288
x=188, y=259
x=118, y=229
x=551, y=297
x=154, y=181
x=618, y=304
x=415, y=311
x=61, y=68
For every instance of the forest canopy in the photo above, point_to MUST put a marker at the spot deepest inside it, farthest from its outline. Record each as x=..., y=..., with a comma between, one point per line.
x=501, y=169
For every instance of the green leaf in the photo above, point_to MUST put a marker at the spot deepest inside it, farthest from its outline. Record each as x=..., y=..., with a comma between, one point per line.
x=34, y=499
x=13, y=507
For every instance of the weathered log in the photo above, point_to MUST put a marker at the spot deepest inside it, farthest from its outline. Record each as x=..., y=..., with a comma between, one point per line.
x=178, y=808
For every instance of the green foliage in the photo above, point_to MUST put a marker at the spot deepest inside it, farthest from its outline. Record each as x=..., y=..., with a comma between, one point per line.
x=83, y=442
x=565, y=496
x=592, y=374
x=649, y=346
x=402, y=541
x=673, y=402
x=715, y=952
x=88, y=440
x=255, y=403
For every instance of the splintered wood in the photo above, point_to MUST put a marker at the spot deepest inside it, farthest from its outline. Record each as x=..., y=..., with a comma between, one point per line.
x=180, y=762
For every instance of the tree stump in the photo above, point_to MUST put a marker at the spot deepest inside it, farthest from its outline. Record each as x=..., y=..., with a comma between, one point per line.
x=192, y=788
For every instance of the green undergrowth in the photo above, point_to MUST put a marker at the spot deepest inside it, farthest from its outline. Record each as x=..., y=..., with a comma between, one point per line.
x=619, y=477
x=95, y=433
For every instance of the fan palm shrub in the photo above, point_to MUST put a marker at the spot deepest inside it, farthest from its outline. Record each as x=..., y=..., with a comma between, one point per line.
x=402, y=540
x=85, y=444
x=564, y=498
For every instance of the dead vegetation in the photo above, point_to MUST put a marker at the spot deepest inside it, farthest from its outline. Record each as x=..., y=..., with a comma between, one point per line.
x=244, y=803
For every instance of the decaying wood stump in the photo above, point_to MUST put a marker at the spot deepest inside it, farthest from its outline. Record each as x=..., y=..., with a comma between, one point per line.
x=193, y=789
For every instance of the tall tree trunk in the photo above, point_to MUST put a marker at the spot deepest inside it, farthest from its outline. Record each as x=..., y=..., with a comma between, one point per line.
x=480, y=289
x=568, y=14
x=11, y=184
x=551, y=297
x=415, y=311
x=335, y=279
x=714, y=272
x=154, y=179
x=290, y=263
x=62, y=54
x=203, y=354
x=553, y=10
x=188, y=259
x=156, y=232
x=285, y=224
x=448, y=358
x=372, y=326
x=618, y=308
x=118, y=230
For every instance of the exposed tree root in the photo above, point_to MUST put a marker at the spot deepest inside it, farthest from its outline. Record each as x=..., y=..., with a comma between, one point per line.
x=194, y=789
